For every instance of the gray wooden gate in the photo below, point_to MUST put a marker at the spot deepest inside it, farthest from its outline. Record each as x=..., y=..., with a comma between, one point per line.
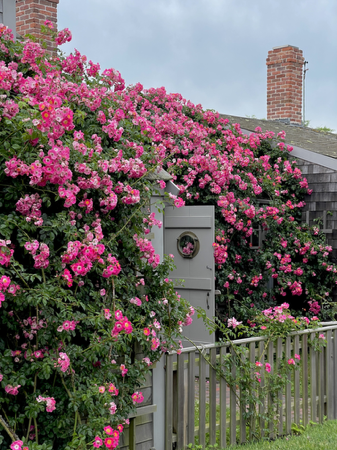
x=197, y=270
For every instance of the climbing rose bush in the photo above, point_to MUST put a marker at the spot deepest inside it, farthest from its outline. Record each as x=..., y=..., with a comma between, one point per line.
x=87, y=307
x=263, y=252
x=81, y=287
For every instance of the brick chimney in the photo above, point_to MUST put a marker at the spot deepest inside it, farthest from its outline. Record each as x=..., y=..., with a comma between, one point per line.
x=284, y=84
x=31, y=14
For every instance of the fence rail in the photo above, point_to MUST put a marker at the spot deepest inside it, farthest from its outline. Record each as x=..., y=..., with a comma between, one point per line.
x=203, y=408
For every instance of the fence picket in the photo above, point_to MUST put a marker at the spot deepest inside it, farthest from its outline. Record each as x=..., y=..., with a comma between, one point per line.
x=305, y=378
x=180, y=390
x=288, y=389
x=328, y=375
x=242, y=407
x=335, y=372
x=321, y=385
x=202, y=400
x=270, y=400
x=191, y=398
x=252, y=424
x=212, y=398
x=313, y=403
x=262, y=405
x=223, y=404
x=297, y=383
x=232, y=419
x=279, y=351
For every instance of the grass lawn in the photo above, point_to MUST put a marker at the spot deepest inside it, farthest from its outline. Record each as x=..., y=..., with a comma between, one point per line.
x=316, y=437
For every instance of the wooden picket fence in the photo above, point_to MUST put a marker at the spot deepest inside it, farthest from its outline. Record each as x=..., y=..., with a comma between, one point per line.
x=192, y=388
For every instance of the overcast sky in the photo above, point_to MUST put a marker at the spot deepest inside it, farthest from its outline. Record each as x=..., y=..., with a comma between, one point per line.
x=212, y=52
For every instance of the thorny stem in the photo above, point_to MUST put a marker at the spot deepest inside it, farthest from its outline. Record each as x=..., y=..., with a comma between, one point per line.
x=43, y=276
x=13, y=267
x=30, y=419
x=36, y=432
x=127, y=222
x=10, y=432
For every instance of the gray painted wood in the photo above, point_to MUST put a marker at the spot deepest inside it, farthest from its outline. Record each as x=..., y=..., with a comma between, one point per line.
x=223, y=405
x=305, y=378
x=335, y=374
x=169, y=402
x=270, y=400
x=288, y=389
x=279, y=351
x=328, y=376
x=313, y=382
x=262, y=406
x=179, y=406
x=242, y=407
x=252, y=424
x=202, y=400
x=297, y=383
x=198, y=271
x=321, y=385
x=232, y=401
x=159, y=400
x=212, y=397
x=191, y=398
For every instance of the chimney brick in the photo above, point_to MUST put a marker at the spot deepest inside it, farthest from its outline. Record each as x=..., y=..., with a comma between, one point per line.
x=284, y=83
x=31, y=14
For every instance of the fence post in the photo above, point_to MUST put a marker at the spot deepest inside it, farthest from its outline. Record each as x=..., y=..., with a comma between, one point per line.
x=169, y=403
x=181, y=425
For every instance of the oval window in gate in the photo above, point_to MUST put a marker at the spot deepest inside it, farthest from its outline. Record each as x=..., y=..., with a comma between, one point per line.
x=188, y=244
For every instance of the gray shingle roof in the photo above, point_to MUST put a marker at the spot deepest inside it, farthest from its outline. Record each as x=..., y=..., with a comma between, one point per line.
x=315, y=141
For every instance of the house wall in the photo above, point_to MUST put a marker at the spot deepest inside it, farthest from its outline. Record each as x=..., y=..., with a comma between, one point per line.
x=322, y=201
